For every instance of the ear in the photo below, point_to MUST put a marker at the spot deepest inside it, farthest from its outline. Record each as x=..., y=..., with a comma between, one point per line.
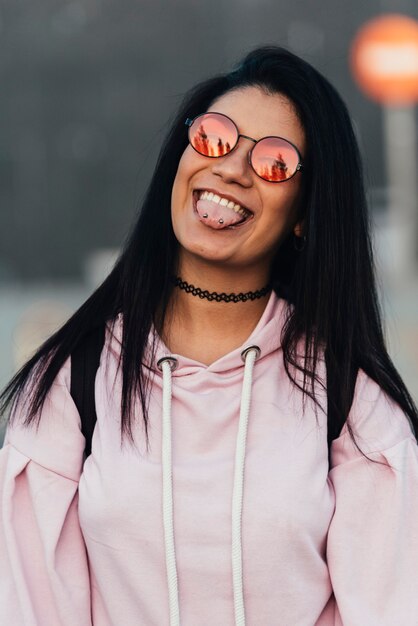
x=298, y=228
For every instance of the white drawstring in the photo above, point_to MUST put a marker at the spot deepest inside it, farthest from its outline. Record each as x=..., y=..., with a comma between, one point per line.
x=248, y=356
x=167, y=365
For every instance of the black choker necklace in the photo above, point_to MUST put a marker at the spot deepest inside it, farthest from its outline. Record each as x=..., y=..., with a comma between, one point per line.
x=220, y=297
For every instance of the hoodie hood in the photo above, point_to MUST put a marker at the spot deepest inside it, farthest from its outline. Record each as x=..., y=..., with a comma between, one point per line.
x=266, y=335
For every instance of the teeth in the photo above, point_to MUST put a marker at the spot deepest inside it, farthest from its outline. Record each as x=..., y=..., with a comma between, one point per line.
x=213, y=197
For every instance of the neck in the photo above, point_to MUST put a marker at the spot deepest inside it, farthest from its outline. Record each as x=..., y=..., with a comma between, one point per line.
x=199, y=318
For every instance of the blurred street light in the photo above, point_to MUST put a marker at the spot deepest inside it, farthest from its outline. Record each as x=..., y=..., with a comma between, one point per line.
x=384, y=62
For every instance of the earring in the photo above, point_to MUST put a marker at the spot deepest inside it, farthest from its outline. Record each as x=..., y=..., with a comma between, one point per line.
x=297, y=247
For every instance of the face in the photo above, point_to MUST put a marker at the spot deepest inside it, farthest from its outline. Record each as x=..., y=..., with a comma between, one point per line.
x=274, y=206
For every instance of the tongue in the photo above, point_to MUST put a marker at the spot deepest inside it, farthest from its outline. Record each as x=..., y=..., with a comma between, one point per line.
x=215, y=212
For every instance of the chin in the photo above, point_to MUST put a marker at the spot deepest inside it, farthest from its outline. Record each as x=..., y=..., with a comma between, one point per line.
x=209, y=255
x=204, y=251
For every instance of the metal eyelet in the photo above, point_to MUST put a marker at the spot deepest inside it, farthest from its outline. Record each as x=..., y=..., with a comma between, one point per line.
x=172, y=360
x=244, y=352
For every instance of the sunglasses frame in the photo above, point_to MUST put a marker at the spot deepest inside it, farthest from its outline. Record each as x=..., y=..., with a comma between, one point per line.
x=299, y=167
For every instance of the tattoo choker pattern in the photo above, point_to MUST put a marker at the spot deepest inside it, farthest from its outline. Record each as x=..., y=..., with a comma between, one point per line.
x=220, y=297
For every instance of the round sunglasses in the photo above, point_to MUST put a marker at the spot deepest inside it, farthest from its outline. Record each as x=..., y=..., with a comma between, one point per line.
x=274, y=159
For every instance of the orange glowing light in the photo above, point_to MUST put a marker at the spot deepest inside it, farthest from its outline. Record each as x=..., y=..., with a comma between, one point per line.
x=384, y=59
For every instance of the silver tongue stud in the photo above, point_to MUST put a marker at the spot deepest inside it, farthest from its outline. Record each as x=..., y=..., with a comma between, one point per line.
x=220, y=221
x=205, y=215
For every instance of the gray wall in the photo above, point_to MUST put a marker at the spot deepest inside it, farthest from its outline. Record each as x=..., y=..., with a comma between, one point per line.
x=88, y=88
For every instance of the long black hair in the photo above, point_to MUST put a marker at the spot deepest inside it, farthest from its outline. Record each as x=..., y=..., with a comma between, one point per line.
x=331, y=283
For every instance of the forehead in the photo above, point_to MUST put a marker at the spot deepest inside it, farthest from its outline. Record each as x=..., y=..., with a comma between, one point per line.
x=258, y=114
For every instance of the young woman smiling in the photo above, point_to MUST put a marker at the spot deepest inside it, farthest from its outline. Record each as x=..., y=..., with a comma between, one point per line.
x=255, y=455
x=222, y=257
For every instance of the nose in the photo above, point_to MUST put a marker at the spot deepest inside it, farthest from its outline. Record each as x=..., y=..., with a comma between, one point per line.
x=235, y=166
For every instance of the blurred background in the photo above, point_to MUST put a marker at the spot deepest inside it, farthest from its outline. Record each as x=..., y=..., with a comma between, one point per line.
x=88, y=89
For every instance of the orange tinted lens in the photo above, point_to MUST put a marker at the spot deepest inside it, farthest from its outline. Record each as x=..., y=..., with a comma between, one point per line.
x=274, y=159
x=213, y=134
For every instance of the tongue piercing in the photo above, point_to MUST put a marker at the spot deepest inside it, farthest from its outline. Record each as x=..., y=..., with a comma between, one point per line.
x=220, y=221
x=205, y=215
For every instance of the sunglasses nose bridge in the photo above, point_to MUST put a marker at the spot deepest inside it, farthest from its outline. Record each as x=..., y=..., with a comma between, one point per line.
x=249, y=149
x=246, y=137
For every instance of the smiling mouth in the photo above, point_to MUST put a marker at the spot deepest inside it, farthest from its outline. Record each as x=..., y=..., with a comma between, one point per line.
x=213, y=215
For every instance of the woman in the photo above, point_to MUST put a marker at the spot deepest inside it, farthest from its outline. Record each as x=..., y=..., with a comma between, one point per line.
x=211, y=495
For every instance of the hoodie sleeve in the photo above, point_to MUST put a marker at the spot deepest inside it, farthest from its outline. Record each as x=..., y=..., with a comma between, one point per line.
x=372, y=548
x=44, y=578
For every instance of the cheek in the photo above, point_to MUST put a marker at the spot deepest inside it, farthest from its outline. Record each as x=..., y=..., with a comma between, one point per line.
x=188, y=164
x=278, y=218
x=179, y=176
x=279, y=211
x=182, y=182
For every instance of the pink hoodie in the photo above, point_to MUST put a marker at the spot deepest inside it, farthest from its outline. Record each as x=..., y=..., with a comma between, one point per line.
x=231, y=518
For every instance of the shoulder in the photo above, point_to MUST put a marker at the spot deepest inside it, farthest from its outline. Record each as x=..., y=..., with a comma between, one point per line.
x=57, y=443
x=377, y=421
